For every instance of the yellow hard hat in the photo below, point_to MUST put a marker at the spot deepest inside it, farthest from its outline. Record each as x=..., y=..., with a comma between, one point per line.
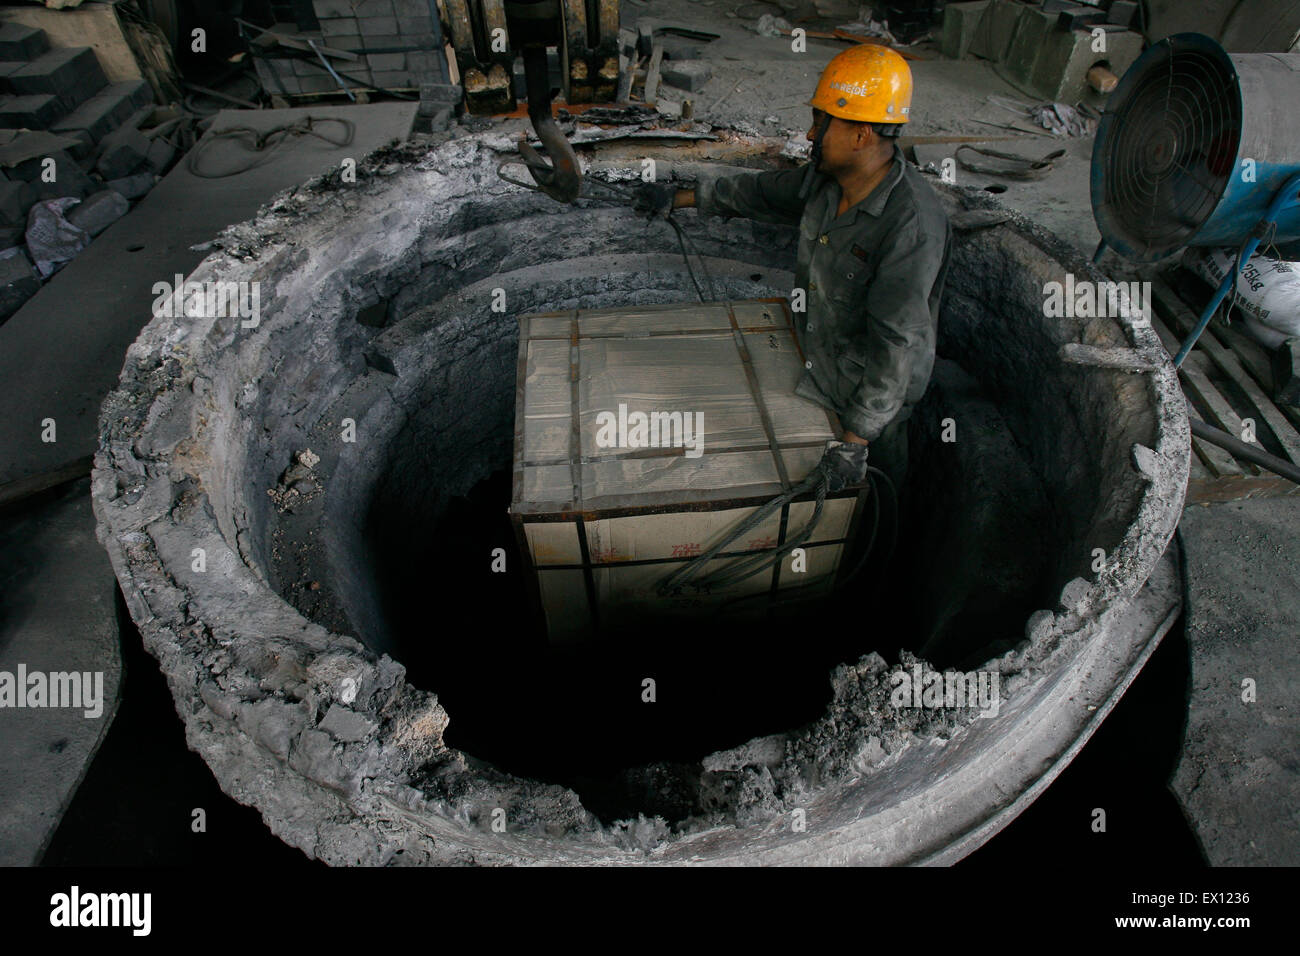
x=866, y=83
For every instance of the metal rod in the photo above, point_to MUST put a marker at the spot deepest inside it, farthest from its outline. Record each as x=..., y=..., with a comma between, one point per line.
x=1244, y=451
x=1284, y=195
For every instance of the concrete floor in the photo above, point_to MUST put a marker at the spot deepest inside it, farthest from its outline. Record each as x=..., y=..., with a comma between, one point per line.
x=1237, y=778
x=59, y=355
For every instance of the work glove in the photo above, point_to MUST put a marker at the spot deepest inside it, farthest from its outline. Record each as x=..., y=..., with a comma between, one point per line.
x=844, y=464
x=654, y=200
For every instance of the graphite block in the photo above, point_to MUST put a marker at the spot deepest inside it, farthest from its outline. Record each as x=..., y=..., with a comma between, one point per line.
x=6, y=68
x=426, y=64
x=1060, y=72
x=134, y=186
x=386, y=61
x=345, y=26
x=409, y=26
x=1122, y=12
x=68, y=178
x=378, y=26
x=686, y=74
x=37, y=111
x=71, y=75
x=106, y=111
x=437, y=99
x=345, y=41
x=332, y=8
x=997, y=27
x=16, y=197
x=19, y=42
x=124, y=150
x=97, y=212
x=160, y=154
x=393, y=80
x=961, y=24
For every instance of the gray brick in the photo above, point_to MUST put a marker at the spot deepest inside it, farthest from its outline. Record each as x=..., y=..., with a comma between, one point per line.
x=378, y=26
x=332, y=8
x=16, y=197
x=106, y=111
x=124, y=151
x=411, y=8
x=19, y=42
x=71, y=75
x=97, y=212
x=133, y=187
x=5, y=69
x=69, y=178
x=29, y=112
x=350, y=42
x=139, y=92
x=689, y=75
x=386, y=61
x=349, y=26
x=429, y=63
x=84, y=148
x=386, y=41
x=373, y=8
x=423, y=40
x=395, y=80
x=409, y=25
x=160, y=155
x=317, y=84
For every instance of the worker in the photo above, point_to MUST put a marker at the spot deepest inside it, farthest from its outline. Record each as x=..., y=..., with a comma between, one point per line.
x=873, y=254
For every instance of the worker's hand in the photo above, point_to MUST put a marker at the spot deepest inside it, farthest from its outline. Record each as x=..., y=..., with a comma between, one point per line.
x=655, y=200
x=844, y=464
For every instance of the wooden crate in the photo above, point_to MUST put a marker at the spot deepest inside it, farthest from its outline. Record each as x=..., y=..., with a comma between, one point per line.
x=601, y=526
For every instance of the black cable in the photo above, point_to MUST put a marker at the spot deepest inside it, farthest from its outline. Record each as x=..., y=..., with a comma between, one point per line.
x=265, y=143
x=791, y=596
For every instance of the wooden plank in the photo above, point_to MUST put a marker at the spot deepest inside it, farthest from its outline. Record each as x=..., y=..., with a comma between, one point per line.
x=1183, y=321
x=1213, y=406
x=652, y=75
x=1253, y=356
x=1236, y=488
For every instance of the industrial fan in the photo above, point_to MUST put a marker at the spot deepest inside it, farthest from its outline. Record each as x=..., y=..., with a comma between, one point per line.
x=1199, y=147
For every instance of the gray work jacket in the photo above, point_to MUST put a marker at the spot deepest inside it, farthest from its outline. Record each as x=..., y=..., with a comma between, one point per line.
x=872, y=277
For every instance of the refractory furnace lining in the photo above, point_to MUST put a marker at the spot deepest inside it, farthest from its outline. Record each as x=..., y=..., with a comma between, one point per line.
x=322, y=732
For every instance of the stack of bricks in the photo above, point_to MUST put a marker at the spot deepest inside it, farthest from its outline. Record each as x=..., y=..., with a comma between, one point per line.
x=394, y=41
x=64, y=91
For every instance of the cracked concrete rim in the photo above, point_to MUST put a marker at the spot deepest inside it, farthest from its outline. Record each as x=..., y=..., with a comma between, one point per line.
x=345, y=759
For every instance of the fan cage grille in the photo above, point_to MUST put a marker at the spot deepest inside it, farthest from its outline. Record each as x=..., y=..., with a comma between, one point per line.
x=1173, y=146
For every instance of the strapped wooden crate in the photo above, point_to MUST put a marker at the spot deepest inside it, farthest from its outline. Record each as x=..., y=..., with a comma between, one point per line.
x=606, y=503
